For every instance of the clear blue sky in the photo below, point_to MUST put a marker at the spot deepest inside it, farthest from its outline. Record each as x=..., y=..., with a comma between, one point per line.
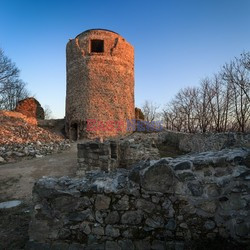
x=177, y=42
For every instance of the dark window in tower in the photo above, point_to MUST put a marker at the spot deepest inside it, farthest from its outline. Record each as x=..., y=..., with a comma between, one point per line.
x=97, y=46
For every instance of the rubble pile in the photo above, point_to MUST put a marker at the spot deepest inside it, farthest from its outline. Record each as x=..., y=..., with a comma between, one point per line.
x=17, y=128
x=14, y=152
x=21, y=137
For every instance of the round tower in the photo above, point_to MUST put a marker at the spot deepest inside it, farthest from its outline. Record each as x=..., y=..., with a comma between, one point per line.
x=100, y=85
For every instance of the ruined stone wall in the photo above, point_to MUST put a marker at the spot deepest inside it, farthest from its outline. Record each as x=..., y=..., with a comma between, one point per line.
x=124, y=152
x=112, y=154
x=203, y=142
x=139, y=114
x=31, y=108
x=197, y=201
x=100, y=86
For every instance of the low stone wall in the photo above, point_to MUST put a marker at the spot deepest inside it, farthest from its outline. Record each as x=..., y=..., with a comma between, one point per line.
x=204, y=142
x=124, y=152
x=111, y=154
x=159, y=204
x=96, y=156
x=16, y=152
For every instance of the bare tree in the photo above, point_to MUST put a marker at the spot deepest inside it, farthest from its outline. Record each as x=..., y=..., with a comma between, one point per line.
x=203, y=105
x=47, y=112
x=8, y=69
x=237, y=73
x=12, y=94
x=237, y=78
x=150, y=111
x=12, y=88
x=245, y=60
x=185, y=103
x=220, y=103
x=173, y=118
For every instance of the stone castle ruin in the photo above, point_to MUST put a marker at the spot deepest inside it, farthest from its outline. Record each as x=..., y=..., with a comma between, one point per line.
x=194, y=201
x=100, y=85
x=129, y=192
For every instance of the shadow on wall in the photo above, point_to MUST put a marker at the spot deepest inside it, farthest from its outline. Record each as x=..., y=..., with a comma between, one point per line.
x=54, y=125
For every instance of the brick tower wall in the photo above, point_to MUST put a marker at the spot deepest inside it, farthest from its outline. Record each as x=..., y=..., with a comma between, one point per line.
x=100, y=85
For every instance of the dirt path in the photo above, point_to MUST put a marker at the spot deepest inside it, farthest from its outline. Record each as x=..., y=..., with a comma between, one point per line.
x=17, y=179
x=16, y=183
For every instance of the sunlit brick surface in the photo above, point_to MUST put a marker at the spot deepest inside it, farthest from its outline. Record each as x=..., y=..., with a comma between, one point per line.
x=100, y=86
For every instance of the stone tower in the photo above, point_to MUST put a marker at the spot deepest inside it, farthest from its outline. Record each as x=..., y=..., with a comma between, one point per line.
x=100, y=85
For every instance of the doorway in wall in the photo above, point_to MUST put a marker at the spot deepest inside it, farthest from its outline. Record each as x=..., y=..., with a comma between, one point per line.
x=73, y=132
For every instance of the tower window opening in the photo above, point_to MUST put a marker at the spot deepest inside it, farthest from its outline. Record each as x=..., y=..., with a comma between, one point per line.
x=97, y=46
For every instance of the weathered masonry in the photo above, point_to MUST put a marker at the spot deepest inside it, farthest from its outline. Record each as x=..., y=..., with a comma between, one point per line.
x=197, y=201
x=113, y=154
x=100, y=85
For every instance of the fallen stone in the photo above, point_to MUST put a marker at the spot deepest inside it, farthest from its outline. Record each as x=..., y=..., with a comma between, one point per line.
x=10, y=204
x=39, y=156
